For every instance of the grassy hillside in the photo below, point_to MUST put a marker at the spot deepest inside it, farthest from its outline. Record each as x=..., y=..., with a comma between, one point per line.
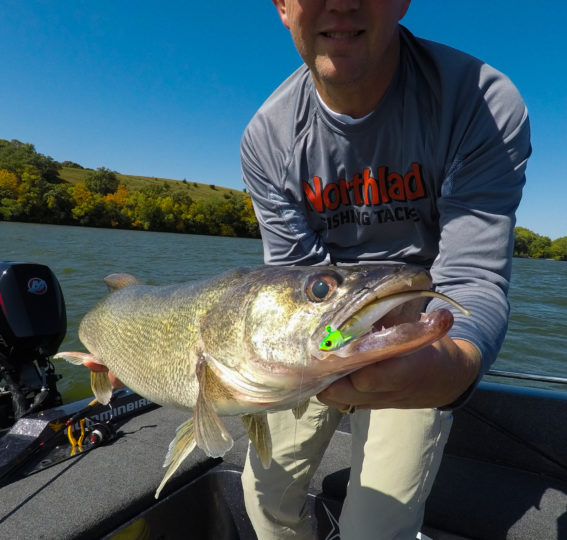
x=196, y=190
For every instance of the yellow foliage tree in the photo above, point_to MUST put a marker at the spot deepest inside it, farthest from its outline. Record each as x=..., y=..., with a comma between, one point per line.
x=119, y=197
x=89, y=207
x=9, y=184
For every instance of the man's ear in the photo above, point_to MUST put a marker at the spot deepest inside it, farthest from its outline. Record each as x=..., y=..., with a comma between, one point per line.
x=280, y=6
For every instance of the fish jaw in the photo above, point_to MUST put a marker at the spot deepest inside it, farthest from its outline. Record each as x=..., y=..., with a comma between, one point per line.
x=279, y=387
x=398, y=340
x=284, y=330
x=380, y=322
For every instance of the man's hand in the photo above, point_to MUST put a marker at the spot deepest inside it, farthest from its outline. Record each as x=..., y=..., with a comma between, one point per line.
x=431, y=377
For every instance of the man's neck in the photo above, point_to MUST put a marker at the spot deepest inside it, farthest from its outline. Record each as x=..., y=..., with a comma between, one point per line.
x=360, y=98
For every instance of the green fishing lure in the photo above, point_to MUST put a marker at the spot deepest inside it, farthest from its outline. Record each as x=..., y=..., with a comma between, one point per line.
x=333, y=340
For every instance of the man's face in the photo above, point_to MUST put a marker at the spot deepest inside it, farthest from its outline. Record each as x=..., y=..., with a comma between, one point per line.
x=344, y=42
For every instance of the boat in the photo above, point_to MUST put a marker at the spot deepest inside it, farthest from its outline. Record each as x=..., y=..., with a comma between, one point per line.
x=503, y=475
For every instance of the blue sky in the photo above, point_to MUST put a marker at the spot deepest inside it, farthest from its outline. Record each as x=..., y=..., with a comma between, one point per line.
x=166, y=88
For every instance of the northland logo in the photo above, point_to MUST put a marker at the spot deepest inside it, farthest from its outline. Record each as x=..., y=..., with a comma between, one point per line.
x=365, y=190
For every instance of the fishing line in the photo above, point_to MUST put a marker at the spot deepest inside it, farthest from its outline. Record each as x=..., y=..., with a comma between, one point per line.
x=294, y=452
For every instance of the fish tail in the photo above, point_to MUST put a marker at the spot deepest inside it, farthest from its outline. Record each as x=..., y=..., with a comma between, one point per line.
x=78, y=358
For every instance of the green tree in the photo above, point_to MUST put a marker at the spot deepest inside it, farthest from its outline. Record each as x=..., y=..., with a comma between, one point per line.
x=558, y=249
x=101, y=181
x=143, y=212
x=16, y=155
x=59, y=201
x=197, y=218
x=31, y=196
x=156, y=190
x=71, y=164
x=530, y=244
x=540, y=247
x=182, y=198
x=522, y=239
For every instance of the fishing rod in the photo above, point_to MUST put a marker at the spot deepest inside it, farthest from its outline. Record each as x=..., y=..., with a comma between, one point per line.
x=527, y=376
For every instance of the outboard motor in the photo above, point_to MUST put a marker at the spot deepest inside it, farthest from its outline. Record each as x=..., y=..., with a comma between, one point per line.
x=33, y=323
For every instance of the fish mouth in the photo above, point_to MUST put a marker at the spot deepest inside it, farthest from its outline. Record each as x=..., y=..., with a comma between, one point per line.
x=378, y=326
x=386, y=312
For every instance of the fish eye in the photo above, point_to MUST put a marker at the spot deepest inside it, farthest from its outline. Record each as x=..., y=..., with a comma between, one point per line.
x=321, y=288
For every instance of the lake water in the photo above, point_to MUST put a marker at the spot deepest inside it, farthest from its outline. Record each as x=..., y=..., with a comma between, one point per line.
x=80, y=257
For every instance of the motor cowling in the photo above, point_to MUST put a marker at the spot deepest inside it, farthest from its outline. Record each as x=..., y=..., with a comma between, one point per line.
x=33, y=319
x=33, y=323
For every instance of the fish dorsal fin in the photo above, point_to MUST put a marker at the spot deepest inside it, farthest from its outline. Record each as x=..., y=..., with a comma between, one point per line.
x=179, y=448
x=100, y=384
x=210, y=433
x=259, y=432
x=119, y=281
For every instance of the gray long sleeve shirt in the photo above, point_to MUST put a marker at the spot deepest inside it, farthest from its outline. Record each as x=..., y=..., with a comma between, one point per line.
x=432, y=177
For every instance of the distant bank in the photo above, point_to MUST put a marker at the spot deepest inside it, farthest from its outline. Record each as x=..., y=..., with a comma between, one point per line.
x=35, y=188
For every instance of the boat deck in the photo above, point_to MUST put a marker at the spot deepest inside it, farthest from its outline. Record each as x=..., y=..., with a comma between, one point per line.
x=504, y=475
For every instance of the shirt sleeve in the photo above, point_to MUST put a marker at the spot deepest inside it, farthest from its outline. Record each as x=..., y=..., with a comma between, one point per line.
x=286, y=235
x=479, y=197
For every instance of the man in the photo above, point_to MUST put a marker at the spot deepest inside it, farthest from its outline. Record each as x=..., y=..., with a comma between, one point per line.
x=384, y=147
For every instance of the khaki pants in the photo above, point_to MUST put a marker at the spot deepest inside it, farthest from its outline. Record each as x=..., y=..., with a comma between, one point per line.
x=395, y=457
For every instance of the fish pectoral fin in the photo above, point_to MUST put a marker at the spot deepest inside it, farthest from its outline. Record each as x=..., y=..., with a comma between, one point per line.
x=210, y=433
x=300, y=410
x=100, y=384
x=259, y=432
x=179, y=448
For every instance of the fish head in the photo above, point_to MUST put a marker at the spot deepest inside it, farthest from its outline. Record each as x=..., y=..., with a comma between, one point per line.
x=279, y=318
x=379, y=314
x=268, y=315
x=295, y=307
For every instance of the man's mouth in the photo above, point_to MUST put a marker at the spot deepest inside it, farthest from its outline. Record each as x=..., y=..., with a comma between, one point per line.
x=342, y=35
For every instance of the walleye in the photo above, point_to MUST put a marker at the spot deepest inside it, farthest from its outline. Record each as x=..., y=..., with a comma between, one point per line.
x=251, y=341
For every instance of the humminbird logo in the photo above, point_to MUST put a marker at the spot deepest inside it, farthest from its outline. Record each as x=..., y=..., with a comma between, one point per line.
x=116, y=412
